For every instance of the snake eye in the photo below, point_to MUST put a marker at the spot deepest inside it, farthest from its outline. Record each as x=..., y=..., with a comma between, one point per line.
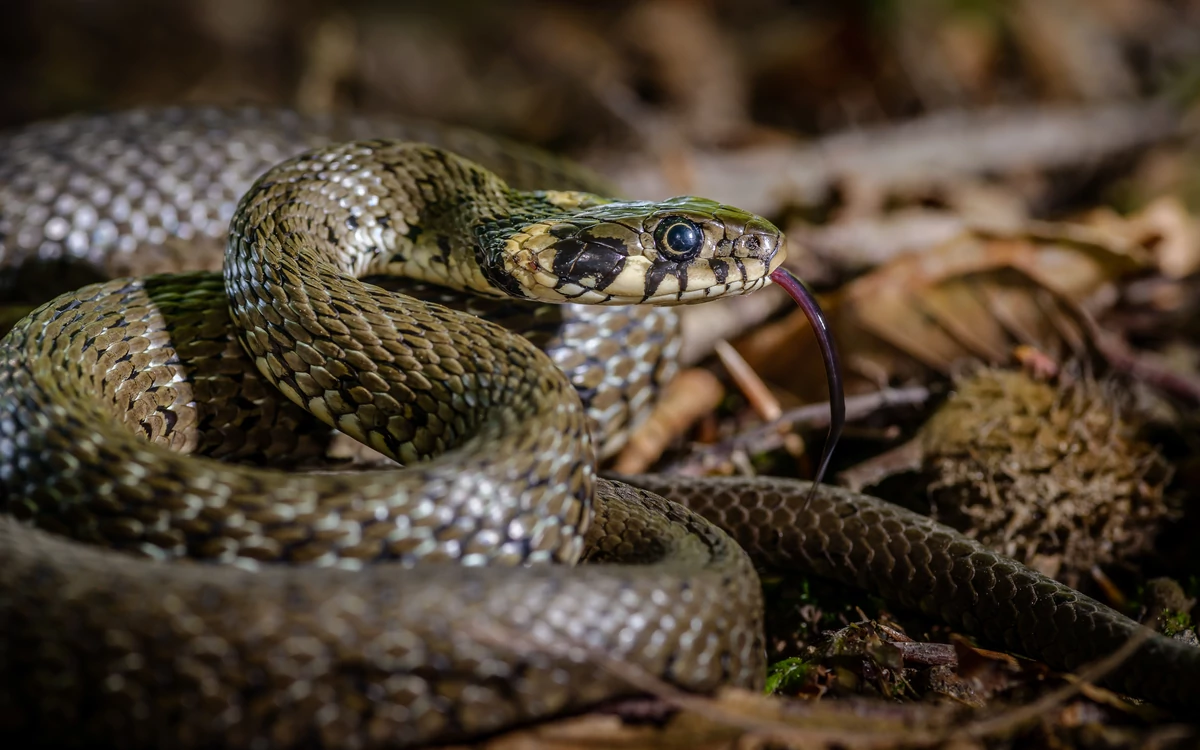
x=680, y=238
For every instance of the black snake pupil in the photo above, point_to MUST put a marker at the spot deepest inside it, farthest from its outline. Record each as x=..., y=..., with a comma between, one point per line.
x=682, y=238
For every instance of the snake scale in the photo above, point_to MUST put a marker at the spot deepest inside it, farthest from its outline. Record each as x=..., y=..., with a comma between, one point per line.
x=132, y=418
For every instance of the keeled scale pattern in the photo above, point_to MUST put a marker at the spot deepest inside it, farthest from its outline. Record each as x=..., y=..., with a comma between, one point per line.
x=102, y=649
x=148, y=191
x=911, y=560
x=108, y=649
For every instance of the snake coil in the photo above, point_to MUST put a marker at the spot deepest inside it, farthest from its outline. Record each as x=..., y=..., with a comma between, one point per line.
x=140, y=416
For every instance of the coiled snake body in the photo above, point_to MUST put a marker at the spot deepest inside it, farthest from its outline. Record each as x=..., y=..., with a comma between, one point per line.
x=104, y=393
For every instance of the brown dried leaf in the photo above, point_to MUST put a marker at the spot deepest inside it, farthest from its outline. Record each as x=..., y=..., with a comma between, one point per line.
x=1164, y=228
x=973, y=297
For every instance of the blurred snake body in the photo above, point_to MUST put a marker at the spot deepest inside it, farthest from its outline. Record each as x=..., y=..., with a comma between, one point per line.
x=142, y=416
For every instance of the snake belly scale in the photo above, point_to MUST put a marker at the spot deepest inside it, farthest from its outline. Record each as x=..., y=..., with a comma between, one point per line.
x=117, y=399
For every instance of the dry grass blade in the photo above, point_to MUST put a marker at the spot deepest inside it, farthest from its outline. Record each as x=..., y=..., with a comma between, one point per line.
x=734, y=715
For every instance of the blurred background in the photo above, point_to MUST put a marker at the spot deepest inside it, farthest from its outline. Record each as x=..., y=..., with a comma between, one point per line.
x=702, y=72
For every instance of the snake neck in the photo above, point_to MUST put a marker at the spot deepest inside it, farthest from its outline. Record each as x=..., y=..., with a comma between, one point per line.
x=402, y=209
x=466, y=238
x=501, y=254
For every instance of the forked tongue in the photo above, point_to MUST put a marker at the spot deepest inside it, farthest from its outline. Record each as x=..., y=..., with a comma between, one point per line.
x=833, y=368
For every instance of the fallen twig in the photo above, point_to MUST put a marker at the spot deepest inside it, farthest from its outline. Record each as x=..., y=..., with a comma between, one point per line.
x=773, y=434
x=766, y=178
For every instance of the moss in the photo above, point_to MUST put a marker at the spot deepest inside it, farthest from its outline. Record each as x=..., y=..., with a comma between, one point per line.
x=788, y=676
x=1172, y=622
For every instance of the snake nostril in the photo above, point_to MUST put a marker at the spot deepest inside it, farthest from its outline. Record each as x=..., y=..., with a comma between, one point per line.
x=752, y=246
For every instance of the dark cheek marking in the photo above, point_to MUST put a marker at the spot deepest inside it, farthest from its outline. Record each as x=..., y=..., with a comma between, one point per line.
x=489, y=257
x=443, y=243
x=575, y=259
x=720, y=269
x=660, y=271
x=501, y=279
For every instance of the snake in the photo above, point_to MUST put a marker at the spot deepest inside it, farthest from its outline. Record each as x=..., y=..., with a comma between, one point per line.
x=179, y=569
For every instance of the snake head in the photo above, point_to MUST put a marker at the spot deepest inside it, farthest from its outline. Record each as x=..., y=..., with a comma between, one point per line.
x=679, y=251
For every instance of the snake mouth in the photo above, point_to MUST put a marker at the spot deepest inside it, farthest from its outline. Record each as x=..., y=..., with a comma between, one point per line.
x=638, y=284
x=606, y=274
x=719, y=277
x=706, y=293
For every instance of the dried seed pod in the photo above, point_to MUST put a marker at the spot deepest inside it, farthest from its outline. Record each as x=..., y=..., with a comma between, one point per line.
x=1053, y=475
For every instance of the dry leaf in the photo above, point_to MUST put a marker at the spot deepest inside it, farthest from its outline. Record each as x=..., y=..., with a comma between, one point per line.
x=976, y=296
